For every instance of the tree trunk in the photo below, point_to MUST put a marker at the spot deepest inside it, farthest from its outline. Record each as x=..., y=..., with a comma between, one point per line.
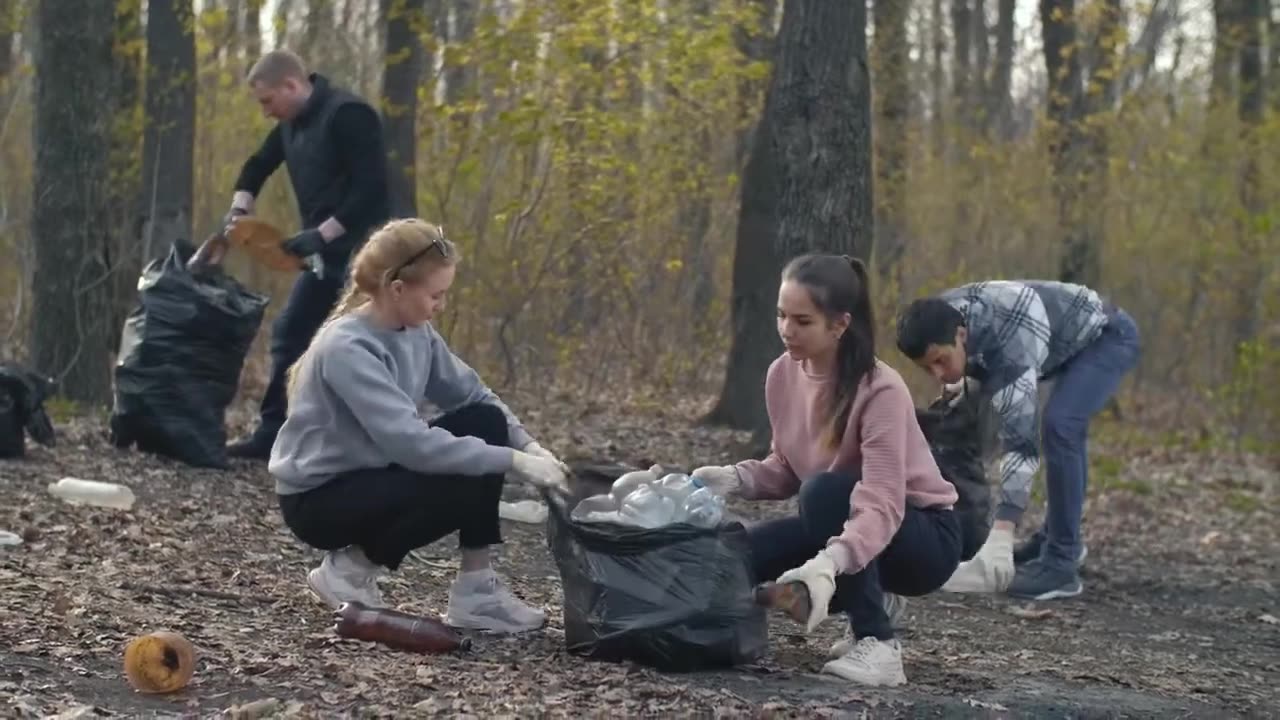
x=961, y=30
x=891, y=65
x=125, y=259
x=822, y=129
x=69, y=339
x=10, y=13
x=1252, y=108
x=811, y=157
x=169, y=142
x=252, y=31
x=1226, y=52
x=1067, y=145
x=459, y=79
x=405, y=21
x=938, y=80
x=1000, y=97
x=756, y=266
x=979, y=41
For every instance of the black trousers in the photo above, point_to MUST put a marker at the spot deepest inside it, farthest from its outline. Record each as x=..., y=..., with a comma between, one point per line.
x=390, y=511
x=310, y=302
x=918, y=560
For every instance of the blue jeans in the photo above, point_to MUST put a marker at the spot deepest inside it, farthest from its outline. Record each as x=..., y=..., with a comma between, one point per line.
x=1082, y=388
x=918, y=559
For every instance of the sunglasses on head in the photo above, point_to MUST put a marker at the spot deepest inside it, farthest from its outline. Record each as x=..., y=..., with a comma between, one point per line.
x=436, y=243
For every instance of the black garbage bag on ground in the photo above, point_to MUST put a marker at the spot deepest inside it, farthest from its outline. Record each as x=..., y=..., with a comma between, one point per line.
x=22, y=396
x=181, y=353
x=960, y=438
x=676, y=598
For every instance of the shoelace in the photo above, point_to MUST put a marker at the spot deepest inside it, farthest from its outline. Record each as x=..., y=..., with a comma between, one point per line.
x=863, y=649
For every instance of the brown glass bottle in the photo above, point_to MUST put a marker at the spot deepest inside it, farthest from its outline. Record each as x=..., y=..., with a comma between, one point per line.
x=792, y=598
x=395, y=629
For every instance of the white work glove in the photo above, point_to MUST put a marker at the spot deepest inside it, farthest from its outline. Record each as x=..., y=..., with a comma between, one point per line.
x=819, y=575
x=722, y=480
x=538, y=471
x=955, y=393
x=533, y=448
x=990, y=571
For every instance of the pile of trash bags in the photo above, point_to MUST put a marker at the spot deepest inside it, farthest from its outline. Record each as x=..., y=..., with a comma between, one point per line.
x=655, y=573
x=181, y=353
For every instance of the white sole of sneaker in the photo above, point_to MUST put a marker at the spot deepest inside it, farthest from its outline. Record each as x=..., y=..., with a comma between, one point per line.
x=1055, y=594
x=834, y=668
x=487, y=625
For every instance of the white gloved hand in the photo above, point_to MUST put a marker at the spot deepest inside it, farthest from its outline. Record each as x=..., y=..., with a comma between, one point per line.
x=819, y=576
x=722, y=480
x=533, y=448
x=538, y=471
x=990, y=571
x=955, y=393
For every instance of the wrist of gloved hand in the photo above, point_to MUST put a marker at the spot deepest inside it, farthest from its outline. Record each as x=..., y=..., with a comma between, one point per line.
x=722, y=480
x=991, y=568
x=538, y=471
x=819, y=577
x=305, y=243
x=534, y=448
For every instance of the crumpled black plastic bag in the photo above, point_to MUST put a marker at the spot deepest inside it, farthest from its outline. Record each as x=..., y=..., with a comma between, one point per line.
x=677, y=598
x=181, y=353
x=22, y=396
x=960, y=438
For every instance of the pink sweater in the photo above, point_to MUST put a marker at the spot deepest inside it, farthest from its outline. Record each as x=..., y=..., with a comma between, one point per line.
x=882, y=439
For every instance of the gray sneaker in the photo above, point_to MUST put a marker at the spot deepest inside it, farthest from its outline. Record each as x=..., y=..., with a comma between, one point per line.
x=1038, y=580
x=1029, y=549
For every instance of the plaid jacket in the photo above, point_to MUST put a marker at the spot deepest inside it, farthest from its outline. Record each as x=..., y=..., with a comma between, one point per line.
x=1019, y=332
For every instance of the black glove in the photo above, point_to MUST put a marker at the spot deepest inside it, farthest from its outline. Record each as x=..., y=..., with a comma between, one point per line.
x=305, y=243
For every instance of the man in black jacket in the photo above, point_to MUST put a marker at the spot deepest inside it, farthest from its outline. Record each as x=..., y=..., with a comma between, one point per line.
x=331, y=142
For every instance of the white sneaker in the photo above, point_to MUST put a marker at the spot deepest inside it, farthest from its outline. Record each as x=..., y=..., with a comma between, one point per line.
x=895, y=606
x=479, y=601
x=346, y=576
x=872, y=662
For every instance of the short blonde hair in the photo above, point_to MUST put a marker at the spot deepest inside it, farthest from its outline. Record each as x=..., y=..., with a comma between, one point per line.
x=275, y=67
x=407, y=250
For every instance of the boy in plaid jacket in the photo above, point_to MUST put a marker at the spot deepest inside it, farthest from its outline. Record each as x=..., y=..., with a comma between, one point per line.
x=1001, y=339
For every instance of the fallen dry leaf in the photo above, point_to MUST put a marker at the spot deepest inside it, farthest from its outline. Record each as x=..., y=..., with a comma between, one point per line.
x=1029, y=613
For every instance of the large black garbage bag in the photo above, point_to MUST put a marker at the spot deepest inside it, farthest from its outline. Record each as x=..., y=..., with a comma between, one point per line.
x=181, y=353
x=676, y=598
x=22, y=396
x=960, y=438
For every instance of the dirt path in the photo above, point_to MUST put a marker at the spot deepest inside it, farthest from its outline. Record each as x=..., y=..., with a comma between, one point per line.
x=1178, y=618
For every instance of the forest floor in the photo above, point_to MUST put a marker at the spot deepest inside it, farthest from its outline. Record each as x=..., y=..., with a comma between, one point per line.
x=1178, y=618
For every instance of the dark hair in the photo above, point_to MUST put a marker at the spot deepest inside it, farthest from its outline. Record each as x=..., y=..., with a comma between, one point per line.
x=925, y=322
x=838, y=284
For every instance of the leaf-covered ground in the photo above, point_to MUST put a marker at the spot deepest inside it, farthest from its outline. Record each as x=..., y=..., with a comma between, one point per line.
x=1179, y=618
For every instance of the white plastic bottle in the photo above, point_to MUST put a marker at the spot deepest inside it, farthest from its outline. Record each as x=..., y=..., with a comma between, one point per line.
x=92, y=492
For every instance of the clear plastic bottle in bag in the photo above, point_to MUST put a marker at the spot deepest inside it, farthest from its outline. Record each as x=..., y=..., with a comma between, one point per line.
x=594, y=508
x=630, y=482
x=678, y=487
x=647, y=508
x=703, y=508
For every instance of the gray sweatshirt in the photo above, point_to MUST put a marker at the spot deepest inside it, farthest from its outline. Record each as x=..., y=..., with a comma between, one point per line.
x=356, y=407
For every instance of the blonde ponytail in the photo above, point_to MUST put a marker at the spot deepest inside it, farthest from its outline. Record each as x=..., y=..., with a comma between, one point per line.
x=399, y=250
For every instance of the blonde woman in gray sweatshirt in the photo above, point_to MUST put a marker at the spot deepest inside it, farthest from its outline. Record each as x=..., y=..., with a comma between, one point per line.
x=362, y=476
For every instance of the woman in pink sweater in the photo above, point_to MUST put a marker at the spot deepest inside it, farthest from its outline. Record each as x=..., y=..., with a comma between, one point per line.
x=875, y=512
